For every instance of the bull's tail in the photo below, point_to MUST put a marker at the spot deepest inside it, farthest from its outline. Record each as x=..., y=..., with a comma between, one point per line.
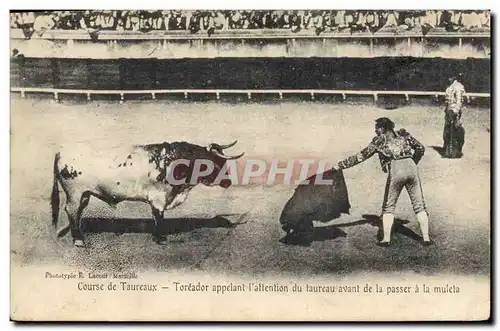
x=54, y=198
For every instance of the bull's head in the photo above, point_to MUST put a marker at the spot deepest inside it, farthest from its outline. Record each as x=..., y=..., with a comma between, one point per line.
x=213, y=154
x=219, y=159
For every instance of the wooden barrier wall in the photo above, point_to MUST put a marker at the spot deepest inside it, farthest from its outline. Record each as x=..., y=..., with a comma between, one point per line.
x=386, y=73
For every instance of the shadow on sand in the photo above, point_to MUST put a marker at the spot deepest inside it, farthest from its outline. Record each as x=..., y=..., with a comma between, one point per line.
x=438, y=149
x=441, y=152
x=145, y=225
x=332, y=232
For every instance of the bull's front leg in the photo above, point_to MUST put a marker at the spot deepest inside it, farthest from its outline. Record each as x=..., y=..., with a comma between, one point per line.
x=161, y=201
x=157, y=201
x=178, y=199
x=157, y=233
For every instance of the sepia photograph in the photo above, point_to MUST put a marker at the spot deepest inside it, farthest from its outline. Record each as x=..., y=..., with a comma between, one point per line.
x=319, y=165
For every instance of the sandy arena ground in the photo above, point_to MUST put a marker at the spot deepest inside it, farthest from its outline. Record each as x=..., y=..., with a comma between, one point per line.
x=457, y=192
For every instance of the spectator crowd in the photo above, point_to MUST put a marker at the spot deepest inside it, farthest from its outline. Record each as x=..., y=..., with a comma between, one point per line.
x=319, y=21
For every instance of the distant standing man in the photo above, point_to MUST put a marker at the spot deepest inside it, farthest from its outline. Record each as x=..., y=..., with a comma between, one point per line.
x=454, y=133
x=399, y=154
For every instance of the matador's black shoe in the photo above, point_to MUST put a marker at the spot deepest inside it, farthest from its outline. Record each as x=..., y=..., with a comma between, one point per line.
x=383, y=243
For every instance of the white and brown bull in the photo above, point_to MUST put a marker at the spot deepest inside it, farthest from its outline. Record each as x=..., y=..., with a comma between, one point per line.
x=158, y=174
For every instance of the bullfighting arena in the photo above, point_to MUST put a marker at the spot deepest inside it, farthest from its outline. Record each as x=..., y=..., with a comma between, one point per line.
x=202, y=236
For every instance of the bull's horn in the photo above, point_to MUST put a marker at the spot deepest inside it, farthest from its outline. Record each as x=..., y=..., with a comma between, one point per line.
x=228, y=157
x=229, y=145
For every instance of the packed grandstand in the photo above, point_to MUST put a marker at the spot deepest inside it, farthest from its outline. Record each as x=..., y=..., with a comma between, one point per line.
x=319, y=21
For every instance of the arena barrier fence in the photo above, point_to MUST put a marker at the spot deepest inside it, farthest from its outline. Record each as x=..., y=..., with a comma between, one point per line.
x=218, y=92
x=243, y=34
x=164, y=37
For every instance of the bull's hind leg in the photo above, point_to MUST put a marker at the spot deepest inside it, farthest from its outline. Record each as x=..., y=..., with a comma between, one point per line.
x=71, y=209
x=74, y=211
x=158, y=236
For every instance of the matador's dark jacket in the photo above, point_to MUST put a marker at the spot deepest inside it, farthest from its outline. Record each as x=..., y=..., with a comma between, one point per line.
x=401, y=147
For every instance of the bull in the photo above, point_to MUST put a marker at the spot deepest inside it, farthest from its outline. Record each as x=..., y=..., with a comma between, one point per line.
x=160, y=175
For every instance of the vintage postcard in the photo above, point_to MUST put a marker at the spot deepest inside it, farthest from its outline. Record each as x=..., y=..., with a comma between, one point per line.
x=250, y=165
